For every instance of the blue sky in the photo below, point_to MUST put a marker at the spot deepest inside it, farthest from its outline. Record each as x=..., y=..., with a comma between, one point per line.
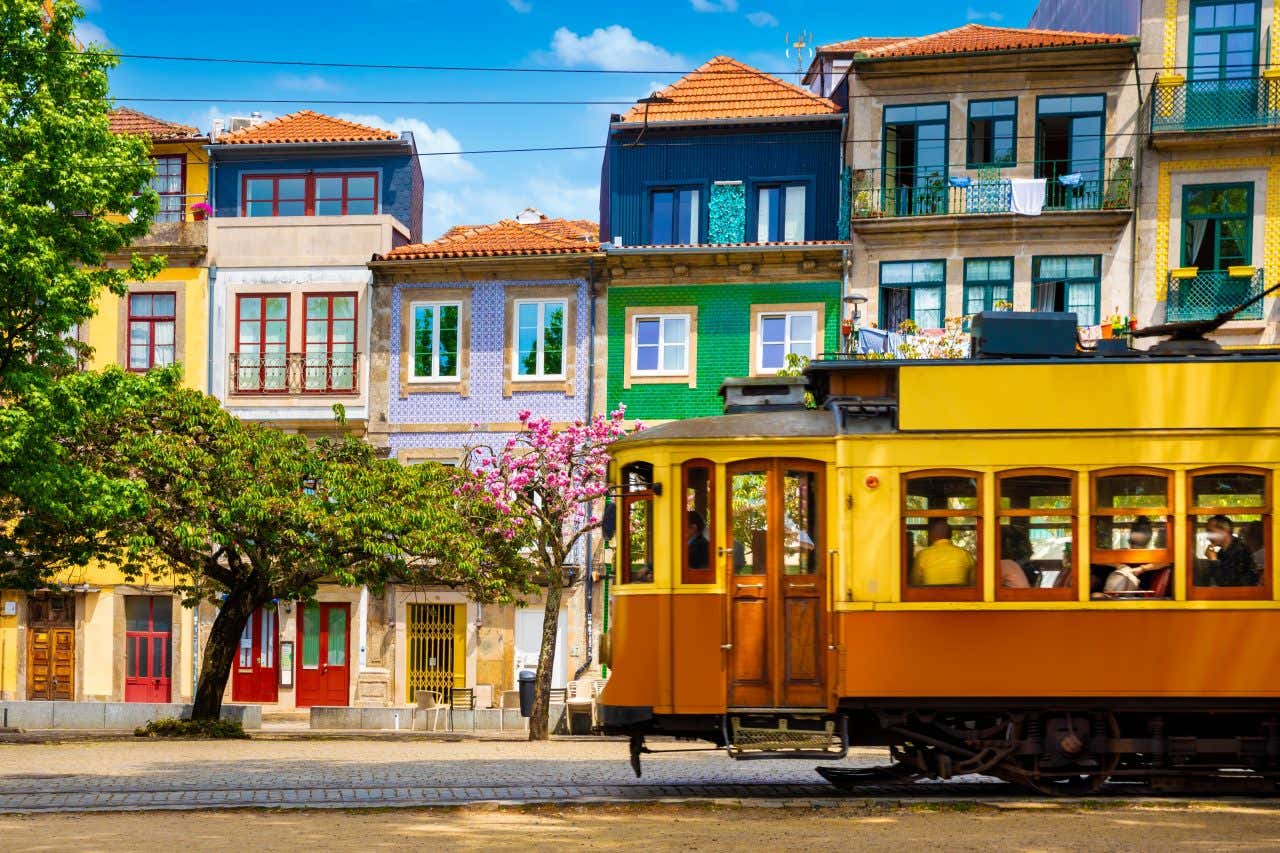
x=655, y=36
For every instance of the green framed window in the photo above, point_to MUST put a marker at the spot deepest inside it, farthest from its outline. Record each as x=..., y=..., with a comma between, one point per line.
x=986, y=282
x=1224, y=39
x=1068, y=283
x=915, y=159
x=1217, y=226
x=435, y=340
x=913, y=290
x=1070, y=142
x=993, y=133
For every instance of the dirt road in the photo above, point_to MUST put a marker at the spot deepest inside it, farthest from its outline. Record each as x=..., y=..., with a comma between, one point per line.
x=1033, y=826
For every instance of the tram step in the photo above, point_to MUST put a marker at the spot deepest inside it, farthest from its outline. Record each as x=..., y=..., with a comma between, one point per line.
x=776, y=738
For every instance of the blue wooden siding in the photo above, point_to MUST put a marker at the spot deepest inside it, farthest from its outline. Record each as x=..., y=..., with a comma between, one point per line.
x=400, y=191
x=702, y=157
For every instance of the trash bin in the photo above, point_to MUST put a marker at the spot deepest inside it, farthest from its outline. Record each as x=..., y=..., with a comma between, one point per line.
x=526, y=678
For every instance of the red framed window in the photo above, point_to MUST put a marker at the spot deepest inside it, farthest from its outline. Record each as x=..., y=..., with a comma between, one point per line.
x=262, y=343
x=152, y=320
x=170, y=182
x=311, y=194
x=330, y=342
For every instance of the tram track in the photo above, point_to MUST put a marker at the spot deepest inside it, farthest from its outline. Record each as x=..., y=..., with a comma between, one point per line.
x=149, y=798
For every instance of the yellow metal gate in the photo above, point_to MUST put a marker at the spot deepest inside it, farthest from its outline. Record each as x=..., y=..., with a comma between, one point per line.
x=437, y=637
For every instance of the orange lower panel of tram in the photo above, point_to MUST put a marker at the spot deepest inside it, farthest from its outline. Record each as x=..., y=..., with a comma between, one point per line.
x=667, y=654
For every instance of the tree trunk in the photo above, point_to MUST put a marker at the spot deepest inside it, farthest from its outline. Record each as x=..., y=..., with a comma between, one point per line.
x=219, y=653
x=538, y=729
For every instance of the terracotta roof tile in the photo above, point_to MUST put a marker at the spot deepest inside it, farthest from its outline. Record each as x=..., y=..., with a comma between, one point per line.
x=859, y=44
x=977, y=38
x=507, y=238
x=306, y=126
x=126, y=121
x=724, y=88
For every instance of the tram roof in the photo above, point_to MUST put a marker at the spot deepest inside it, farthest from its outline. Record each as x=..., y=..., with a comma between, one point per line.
x=787, y=423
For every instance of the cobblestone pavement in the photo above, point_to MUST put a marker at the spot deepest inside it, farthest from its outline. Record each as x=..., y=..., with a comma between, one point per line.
x=128, y=775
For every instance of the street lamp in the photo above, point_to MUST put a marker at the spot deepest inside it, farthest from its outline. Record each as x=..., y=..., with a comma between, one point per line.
x=849, y=327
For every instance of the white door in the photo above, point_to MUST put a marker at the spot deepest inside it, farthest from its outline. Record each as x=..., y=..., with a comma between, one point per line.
x=529, y=639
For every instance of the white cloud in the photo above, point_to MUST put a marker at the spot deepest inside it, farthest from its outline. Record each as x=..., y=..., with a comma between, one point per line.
x=762, y=19
x=524, y=7
x=480, y=204
x=714, y=5
x=87, y=33
x=612, y=47
x=304, y=83
x=973, y=14
x=448, y=167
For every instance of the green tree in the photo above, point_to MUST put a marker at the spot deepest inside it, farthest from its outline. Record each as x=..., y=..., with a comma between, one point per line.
x=71, y=192
x=245, y=514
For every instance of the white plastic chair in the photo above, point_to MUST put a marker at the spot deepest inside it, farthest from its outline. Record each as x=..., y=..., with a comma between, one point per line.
x=429, y=700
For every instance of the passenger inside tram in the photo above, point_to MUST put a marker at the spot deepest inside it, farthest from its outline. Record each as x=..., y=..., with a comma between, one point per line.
x=1253, y=537
x=1015, y=563
x=1135, y=579
x=1230, y=561
x=698, y=546
x=942, y=563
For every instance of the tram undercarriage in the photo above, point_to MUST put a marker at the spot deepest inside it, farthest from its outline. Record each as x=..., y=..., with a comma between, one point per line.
x=1056, y=749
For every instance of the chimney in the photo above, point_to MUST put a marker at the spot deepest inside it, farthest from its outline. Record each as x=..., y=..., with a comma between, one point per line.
x=218, y=126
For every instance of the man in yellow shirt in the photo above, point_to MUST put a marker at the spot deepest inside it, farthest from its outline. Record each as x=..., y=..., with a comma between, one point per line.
x=943, y=563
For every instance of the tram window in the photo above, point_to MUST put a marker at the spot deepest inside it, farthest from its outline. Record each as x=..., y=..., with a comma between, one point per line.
x=637, y=523
x=1036, y=512
x=1132, y=556
x=750, y=525
x=942, y=534
x=699, y=520
x=800, y=523
x=1230, y=522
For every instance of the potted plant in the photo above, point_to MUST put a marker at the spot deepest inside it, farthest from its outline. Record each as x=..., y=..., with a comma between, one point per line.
x=1120, y=186
x=201, y=211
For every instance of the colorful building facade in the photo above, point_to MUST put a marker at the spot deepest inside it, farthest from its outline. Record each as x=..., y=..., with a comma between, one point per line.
x=720, y=212
x=470, y=330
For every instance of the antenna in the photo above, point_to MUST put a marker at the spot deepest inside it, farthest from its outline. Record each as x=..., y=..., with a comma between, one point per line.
x=802, y=45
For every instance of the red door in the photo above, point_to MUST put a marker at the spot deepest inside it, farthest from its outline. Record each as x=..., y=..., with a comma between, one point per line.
x=324, y=669
x=255, y=676
x=148, y=639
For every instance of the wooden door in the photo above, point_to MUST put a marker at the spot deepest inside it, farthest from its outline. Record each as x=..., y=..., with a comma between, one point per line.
x=148, y=664
x=323, y=676
x=777, y=585
x=256, y=676
x=51, y=647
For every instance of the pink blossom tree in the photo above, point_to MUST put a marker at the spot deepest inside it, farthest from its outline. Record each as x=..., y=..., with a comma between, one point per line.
x=549, y=484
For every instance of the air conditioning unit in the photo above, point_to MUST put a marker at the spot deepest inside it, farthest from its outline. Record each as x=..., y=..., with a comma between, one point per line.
x=239, y=123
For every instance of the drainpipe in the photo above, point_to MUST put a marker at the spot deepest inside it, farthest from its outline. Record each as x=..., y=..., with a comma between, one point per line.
x=591, y=408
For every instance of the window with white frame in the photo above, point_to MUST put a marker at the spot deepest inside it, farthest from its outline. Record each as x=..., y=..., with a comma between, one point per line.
x=540, y=328
x=780, y=210
x=660, y=345
x=435, y=341
x=785, y=332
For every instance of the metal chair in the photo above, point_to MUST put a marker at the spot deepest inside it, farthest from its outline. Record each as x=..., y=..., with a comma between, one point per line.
x=429, y=700
x=462, y=699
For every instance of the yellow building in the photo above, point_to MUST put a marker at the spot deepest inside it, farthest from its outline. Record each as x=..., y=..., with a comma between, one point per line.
x=96, y=636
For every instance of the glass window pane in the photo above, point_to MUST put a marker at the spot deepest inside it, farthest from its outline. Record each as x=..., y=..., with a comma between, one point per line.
x=639, y=530
x=801, y=328
x=317, y=331
x=1229, y=550
x=1127, y=491
x=292, y=208
x=337, y=651
x=292, y=188
x=277, y=307
x=137, y=613
x=360, y=188
x=259, y=189
x=675, y=330
x=647, y=357
x=328, y=188
x=687, y=215
x=699, y=518
x=662, y=218
x=1229, y=490
x=750, y=532
x=163, y=334
x=647, y=331
x=268, y=637
x=424, y=339
x=140, y=304
x=360, y=207
x=800, y=523
x=162, y=304
x=773, y=328
x=161, y=614
x=344, y=307
x=311, y=636
x=327, y=208
x=793, y=223
x=673, y=357
x=317, y=307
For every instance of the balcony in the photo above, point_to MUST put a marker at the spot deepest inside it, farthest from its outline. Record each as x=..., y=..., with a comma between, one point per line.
x=1197, y=106
x=1196, y=295
x=990, y=191
x=294, y=373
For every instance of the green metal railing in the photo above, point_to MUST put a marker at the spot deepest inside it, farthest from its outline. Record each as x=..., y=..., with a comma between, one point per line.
x=1100, y=185
x=1239, y=102
x=1210, y=293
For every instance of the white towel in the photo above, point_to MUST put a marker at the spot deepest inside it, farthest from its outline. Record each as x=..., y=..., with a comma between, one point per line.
x=1028, y=196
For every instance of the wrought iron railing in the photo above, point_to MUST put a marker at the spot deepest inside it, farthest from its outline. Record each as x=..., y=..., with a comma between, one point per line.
x=1217, y=104
x=294, y=372
x=1210, y=293
x=1069, y=185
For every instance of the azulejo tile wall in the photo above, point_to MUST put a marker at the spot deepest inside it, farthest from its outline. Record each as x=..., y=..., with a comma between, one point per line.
x=485, y=404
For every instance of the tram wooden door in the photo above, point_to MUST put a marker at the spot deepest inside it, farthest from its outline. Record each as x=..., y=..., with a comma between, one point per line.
x=323, y=678
x=777, y=585
x=256, y=677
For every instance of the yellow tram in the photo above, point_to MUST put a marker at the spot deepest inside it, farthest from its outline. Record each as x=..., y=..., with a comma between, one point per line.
x=1056, y=571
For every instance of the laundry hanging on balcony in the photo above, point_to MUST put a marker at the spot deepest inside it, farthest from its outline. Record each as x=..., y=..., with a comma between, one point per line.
x=1028, y=196
x=1074, y=179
